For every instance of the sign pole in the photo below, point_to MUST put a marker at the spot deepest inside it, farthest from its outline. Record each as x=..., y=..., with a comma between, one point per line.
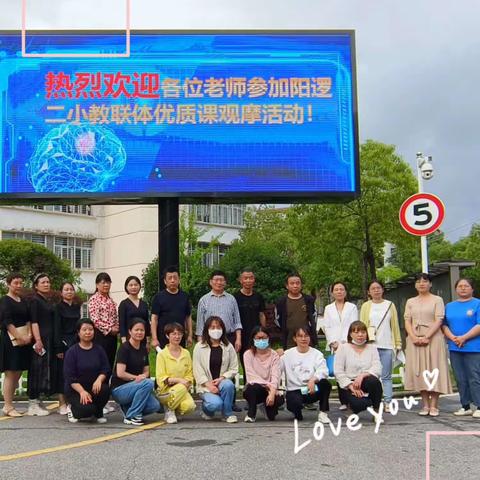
x=168, y=235
x=423, y=238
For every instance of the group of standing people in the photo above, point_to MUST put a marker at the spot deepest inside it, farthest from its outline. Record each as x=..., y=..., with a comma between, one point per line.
x=85, y=361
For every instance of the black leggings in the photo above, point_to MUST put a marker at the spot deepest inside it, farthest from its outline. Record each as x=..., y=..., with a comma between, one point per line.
x=296, y=400
x=94, y=409
x=254, y=394
x=109, y=344
x=370, y=385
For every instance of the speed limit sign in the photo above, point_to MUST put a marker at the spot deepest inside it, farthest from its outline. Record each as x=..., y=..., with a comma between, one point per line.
x=422, y=214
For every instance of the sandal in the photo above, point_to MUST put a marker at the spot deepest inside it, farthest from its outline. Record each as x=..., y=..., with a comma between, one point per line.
x=424, y=411
x=434, y=412
x=11, y=412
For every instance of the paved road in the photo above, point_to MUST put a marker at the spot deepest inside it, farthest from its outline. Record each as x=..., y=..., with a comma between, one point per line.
x=199, y=450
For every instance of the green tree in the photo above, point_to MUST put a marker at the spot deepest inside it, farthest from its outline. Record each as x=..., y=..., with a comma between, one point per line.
x=346, y=241
x=270, y=265
x=29, y=259
x=468, y=248
x=193, y=271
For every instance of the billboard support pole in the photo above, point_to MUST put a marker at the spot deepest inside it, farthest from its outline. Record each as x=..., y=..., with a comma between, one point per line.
x=168, y=235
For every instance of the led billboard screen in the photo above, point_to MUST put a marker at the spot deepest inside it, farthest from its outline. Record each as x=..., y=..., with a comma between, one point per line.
x=196, y=115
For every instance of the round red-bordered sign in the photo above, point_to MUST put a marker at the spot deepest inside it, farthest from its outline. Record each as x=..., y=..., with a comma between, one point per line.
x=422, y=214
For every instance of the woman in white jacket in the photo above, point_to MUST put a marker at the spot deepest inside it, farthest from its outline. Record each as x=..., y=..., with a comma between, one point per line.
x=337, y=318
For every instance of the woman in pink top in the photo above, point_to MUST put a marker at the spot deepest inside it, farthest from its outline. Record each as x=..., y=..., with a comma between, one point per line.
x=262, y=368
x=103, y=313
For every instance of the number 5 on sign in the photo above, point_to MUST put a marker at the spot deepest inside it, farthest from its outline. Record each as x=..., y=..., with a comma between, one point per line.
x=422, y=214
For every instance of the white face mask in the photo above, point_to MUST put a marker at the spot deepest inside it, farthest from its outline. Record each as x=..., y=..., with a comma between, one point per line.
x=363, y=342
x=215, y=333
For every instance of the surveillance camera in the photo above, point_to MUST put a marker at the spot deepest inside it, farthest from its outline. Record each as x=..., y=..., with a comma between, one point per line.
x=426, y=170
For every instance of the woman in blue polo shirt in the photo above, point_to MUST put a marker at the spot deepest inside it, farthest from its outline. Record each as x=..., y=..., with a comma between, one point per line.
x=462, y=328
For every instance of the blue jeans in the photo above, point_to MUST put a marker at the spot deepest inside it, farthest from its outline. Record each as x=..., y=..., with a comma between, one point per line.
x=386, y=359
x=136, y=399
x=466, y=367
x=223, y=402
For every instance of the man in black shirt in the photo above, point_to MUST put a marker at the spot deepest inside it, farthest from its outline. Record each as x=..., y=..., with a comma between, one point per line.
x=171, y=305
x=252, y=307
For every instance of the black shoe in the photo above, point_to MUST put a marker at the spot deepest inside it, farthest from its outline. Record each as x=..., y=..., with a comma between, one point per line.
x=236, y=408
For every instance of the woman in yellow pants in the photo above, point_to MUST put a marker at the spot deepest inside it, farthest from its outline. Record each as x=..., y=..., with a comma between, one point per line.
x=174, y=374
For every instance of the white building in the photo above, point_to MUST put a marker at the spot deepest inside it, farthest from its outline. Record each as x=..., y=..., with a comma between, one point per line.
x=121, y=240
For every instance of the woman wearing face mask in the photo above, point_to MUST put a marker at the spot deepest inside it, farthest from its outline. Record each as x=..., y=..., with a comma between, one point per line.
x=215, y=365
x=44, y=376
x=357, y=370
x=67, y=315
x=15, y=340
x=132, y=387
x=306, y=373
x=174, y=374
x=426, y=349
x=133, y=307
x=380, y=316
x=262, y=367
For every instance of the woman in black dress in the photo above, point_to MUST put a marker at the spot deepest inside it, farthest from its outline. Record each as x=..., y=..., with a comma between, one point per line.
x=133, y=307
x=15, y=341
x=67, y=314
x=43, y=376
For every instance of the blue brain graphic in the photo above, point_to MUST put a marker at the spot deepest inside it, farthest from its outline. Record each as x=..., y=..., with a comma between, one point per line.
x=76, y=158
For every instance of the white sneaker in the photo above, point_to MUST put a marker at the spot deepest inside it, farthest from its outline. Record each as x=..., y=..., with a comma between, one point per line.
x=231, y=419
x=101, y=420
x=461, y=412
x=71, y=418
x=34, y=409
x=342, y=407
x=108, y=409
x=205, y=416
x=249, y=419
x=323, y=417
x=476, y=413
x=386, y=407
x=63, y=410
x=170, y=416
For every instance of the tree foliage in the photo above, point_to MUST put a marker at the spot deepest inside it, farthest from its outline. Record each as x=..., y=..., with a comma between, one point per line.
x=270, y=265
x=193, y=271
x=29, y=259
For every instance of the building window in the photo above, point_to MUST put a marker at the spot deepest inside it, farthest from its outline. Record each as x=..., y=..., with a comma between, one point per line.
x=77, y=251
x=76, y=209
x=220, y=214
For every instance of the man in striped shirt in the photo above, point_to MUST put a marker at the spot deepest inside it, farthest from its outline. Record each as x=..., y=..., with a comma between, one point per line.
x=220, y=303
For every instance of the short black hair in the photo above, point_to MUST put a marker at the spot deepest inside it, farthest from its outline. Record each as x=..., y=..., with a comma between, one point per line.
x=466, y=279
x=129, y=279
x=83, y=321
x=13, y=276
x=170, y=269
x=293, y=274
x=218, y=273
x=103, y=277
x=423, y=276
x=133, y=321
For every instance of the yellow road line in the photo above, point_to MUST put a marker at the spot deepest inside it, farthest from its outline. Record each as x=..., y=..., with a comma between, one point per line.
x=84, y=443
